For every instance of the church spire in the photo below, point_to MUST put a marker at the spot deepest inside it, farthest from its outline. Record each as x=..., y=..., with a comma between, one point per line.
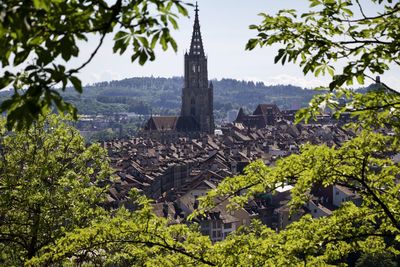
x=196, y=46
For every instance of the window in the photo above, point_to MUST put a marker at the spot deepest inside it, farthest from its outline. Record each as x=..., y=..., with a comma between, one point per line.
x=227, y=225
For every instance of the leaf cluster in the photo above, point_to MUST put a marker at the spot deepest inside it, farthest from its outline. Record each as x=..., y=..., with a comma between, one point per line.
x=331, y=32
x=34, y=35
x=47, y=179
x=362, y=164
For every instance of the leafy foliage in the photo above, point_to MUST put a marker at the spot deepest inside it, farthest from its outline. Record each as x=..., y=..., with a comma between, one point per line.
x=52, y=187
x=137, y=238
x=47, y=186
x=34, y=35
x=362, y=164
x=334, y=31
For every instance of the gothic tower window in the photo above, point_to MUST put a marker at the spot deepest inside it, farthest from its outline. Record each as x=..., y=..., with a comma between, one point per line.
x=192, y=106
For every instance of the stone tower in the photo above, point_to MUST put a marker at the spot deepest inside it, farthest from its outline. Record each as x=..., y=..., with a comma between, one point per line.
x=197, y=93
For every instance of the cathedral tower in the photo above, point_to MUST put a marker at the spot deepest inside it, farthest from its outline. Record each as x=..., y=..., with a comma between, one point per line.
x=197, y=93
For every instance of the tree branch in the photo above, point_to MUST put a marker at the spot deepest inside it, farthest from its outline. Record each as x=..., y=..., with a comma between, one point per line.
x=116, y=8
x=375, y=197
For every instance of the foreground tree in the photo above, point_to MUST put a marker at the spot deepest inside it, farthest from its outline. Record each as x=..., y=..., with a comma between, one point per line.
x=335, y=31
x=363, y=164
x=52, y=188
x=137, y=238
x=341, y=33
x=34, y=35
x=367, y=45
x=47, y=186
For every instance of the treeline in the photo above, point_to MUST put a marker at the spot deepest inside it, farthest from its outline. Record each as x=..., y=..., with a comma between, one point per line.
x=145, y=95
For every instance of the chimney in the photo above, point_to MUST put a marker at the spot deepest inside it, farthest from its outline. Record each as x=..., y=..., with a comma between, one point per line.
x=233, y=167
x=165, y=209
x=204, y=141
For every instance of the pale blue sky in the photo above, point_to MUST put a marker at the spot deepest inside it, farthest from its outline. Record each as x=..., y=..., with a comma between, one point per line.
x=224, y=27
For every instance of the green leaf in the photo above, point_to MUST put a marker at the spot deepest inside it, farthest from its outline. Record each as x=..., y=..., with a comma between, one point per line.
x=76, y=83
x=360, y=79
x=173, y=22
x=42, y=4
x=181, y=9
x=21, y=57
x=154, y=40
x=142, y=57
x=173, y=44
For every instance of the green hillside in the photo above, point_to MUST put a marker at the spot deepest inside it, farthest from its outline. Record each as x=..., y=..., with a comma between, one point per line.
x=163, y=96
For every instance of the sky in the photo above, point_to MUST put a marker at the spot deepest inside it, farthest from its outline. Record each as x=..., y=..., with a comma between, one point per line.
x=225, y=31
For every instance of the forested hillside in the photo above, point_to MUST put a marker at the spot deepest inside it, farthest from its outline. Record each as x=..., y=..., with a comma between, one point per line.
x=150, y=95
x=163, y=95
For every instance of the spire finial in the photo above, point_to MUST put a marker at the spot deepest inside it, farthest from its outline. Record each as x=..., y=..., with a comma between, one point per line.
x=197, y=8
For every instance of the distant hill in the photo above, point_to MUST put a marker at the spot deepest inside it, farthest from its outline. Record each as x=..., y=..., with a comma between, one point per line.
x=147, y=95
x=163, y=95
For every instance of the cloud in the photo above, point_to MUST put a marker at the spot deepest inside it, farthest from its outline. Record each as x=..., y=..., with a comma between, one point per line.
x=107, y=75
x=304, y=82
x=312, y=82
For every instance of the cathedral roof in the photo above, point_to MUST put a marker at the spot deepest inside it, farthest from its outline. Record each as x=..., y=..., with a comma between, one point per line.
x=172, y=123
x=262, y=109
x=161, y=123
